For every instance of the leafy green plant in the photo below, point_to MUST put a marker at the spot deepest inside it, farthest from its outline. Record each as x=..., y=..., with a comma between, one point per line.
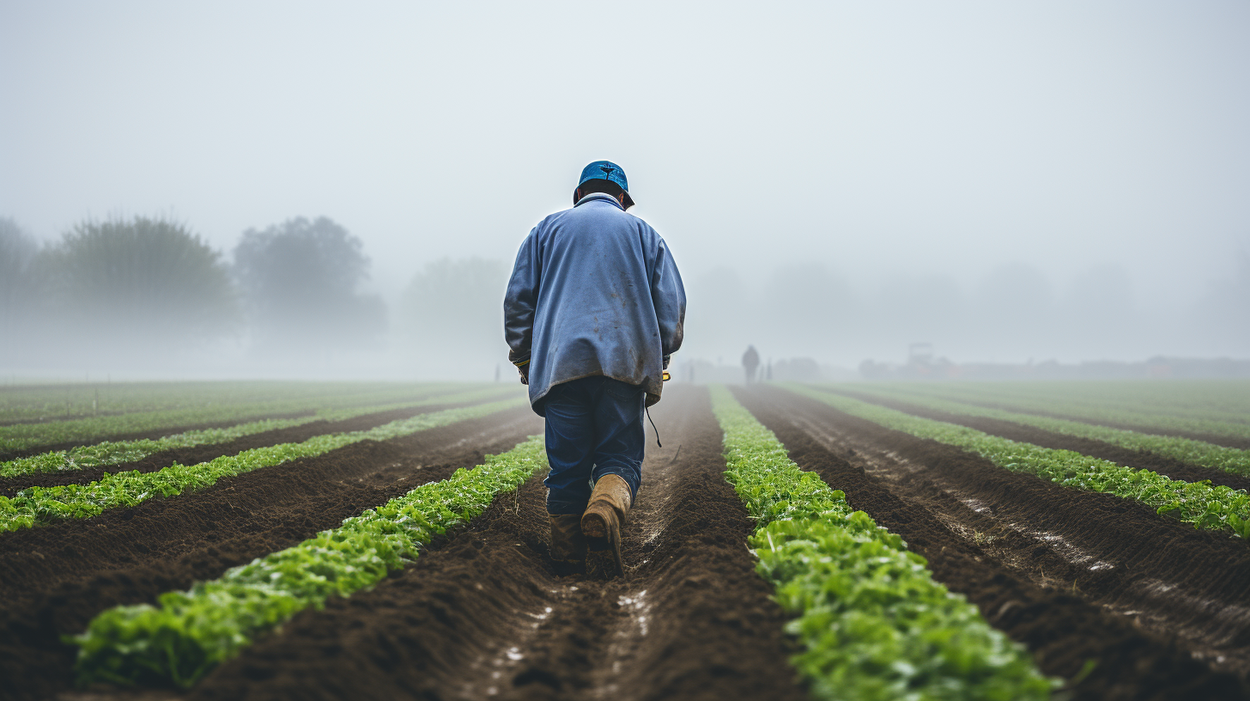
x=1201, y=504
x=190, y=632
x=52, y=402
x=1214, y=407
x=32, y=435
x=36, y=506
x=873, y=622
x=1184, y=449
x=118, y=452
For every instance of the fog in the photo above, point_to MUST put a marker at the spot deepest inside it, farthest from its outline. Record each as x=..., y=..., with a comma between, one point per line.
x=837, y=181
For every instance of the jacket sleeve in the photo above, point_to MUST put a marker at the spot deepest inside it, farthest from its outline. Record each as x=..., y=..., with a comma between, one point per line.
x=521, y=300
x=669, y=297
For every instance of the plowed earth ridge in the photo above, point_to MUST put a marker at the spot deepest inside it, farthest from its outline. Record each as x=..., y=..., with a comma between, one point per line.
x=53, y=580
x=1170, y=467
x=151, y=434
x=1215, y=438
x=485, y=616
x=1076, y=576
x=9, y=486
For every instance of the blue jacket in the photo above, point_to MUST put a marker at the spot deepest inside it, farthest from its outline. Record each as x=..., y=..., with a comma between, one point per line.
x=594, y=292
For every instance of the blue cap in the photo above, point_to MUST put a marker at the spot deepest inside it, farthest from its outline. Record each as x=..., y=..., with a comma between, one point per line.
x=606, y=170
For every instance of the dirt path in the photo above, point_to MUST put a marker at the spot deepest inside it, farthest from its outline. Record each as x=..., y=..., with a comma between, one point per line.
x=485, y=616
x=54, y=579
x=1076, y=576
x=1176, y=469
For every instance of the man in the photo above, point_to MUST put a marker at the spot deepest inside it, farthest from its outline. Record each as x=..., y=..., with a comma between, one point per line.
x=750, y=361
x=593, y=311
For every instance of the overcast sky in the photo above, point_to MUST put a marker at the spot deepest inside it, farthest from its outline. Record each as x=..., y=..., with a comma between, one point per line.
x=873, y=138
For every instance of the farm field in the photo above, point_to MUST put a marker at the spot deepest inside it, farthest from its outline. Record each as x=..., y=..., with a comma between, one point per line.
x=789, y=541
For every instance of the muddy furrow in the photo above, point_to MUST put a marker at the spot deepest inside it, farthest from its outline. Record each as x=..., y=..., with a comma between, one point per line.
x=1176, y=469
x=486, y=617
x=1076, y=576
x=54, y=579
x=203, y=453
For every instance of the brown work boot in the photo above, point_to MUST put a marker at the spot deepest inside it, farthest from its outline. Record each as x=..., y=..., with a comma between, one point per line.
x=601, y=524
x=568, y=545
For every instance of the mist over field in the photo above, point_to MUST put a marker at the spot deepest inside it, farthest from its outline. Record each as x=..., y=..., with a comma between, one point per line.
x=316, y=190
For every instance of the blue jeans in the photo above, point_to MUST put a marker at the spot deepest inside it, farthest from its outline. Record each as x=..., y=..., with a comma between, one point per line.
x=594, y=428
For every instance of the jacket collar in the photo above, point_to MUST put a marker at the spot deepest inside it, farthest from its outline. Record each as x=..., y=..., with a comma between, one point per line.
x=599, y=196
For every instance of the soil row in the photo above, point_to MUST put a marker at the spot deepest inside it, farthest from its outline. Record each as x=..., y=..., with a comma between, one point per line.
x=170, y=430
x=151, y=434
x=1229, y=441
x=54, y=579
x=203, y=453
x=1171, y=467
x=1080, y=578
x=485, y=616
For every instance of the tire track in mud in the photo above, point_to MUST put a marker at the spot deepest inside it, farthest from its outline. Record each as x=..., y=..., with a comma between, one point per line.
x=1073, y=575
x=1171, y=467
x=54, y=579
x=193, y=455
x=485, y=616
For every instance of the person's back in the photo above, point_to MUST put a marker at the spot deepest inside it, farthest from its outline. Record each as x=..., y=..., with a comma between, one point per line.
x=593, y=310
x=606, y=286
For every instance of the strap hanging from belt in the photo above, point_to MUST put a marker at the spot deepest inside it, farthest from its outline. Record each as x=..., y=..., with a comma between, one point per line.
x=657, y=431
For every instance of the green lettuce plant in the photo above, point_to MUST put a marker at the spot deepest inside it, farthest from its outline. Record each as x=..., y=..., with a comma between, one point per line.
x=36, y=506
x=873, y=623
x=1184, y=449
x=199, y=409
x=119, y=452
x=189, y=632
x=1201, y=504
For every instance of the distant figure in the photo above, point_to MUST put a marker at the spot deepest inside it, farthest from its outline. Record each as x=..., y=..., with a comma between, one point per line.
x=750, y=361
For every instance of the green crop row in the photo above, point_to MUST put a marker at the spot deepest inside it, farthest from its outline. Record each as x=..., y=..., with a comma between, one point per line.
x=35, y=506
x=874, y=623
x=70, y=401
x=1171, y=407
x=17, y=437
x=1198, y=503
x=1214, y=399
x=192, y=631
x=118, y=452
x=1184, y=449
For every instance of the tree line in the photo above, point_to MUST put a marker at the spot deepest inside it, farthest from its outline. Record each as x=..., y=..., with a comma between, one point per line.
x=148, y=285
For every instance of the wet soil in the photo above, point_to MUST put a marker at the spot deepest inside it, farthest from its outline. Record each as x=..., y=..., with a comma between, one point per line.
x=152, y=434
x=1146, y=460
x=485, y=616
x=1230, y=441
x=1157, y=608
x=203, y=453
x=54, y=579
